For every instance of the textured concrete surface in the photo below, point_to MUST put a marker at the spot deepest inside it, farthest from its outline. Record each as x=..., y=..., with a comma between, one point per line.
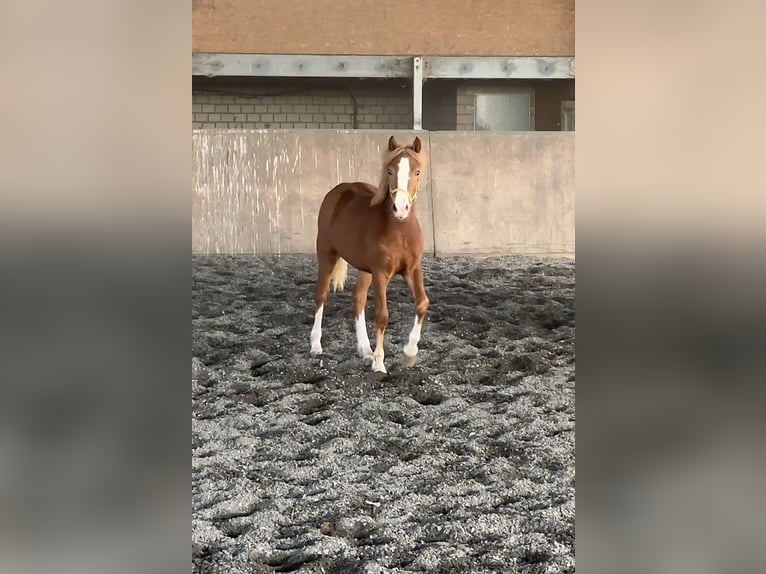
x=462, y=463
x=258, y=191
x=503, y=192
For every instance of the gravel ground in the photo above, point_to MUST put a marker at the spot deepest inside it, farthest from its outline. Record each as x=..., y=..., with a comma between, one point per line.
x=462, y=463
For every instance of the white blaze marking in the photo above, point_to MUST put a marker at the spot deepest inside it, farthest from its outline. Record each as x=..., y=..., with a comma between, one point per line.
x=401, y=200
x=403, y=175
x=316, y=332
x=411, y=348
x=362, y=341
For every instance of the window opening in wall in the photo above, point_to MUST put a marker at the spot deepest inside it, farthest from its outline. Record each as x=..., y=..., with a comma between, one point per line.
x=509, y=111
x=568, y=116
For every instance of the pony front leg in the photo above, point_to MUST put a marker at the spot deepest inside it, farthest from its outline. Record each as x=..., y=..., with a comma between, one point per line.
x=381, y=320
x=363, y=282
x=421, y=307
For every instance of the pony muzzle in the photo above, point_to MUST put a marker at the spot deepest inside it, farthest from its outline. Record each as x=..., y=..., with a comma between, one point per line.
x=402, y=200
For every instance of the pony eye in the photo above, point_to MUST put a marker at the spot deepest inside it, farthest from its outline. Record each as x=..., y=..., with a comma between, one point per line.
x=390, y=171
x=417, y=172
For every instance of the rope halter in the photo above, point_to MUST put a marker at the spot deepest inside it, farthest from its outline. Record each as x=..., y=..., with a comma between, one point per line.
x=406, y=192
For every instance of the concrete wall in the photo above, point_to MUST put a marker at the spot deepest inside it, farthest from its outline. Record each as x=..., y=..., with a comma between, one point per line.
x=509, y=192
x=258, y=191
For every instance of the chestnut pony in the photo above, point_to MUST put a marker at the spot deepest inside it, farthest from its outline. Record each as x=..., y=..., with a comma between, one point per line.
x=376, y=230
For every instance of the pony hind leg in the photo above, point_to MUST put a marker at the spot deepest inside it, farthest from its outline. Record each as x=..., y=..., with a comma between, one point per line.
x=327, y=261
x=363, y=282
x=415, y=281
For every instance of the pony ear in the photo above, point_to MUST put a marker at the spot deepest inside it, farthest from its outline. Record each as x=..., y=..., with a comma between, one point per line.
x=392, y=145
x=416, y=144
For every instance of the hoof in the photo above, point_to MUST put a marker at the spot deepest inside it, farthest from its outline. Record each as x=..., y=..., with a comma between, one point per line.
x=379, y=368
x=409, y=360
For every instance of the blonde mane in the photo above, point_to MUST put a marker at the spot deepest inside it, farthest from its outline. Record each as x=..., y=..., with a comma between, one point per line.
x=382, y=191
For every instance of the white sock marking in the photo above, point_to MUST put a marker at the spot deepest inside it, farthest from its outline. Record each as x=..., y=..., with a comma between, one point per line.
x=362, y=341
x=411, y=348
x=377, y=356
x=316, y=333
x=377, y=360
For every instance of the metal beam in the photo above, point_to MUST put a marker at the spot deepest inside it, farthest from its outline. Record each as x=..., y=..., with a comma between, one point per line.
x=417, y=93
x=498, y=67
x=306, y=66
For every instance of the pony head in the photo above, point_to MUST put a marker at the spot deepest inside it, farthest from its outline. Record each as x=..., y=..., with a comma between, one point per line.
x=403, y=168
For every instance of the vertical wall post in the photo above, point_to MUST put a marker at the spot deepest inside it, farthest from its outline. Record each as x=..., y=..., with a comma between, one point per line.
x=417, y=93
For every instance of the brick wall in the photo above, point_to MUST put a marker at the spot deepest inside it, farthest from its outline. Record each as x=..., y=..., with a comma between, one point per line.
x=359, y=104
x=464, y=110
x=444, y=27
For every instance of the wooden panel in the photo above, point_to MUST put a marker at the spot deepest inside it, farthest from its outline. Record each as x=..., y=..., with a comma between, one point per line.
x=393, y=27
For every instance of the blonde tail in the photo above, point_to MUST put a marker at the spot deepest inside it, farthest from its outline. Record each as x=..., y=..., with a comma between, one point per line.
x=338, y=277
